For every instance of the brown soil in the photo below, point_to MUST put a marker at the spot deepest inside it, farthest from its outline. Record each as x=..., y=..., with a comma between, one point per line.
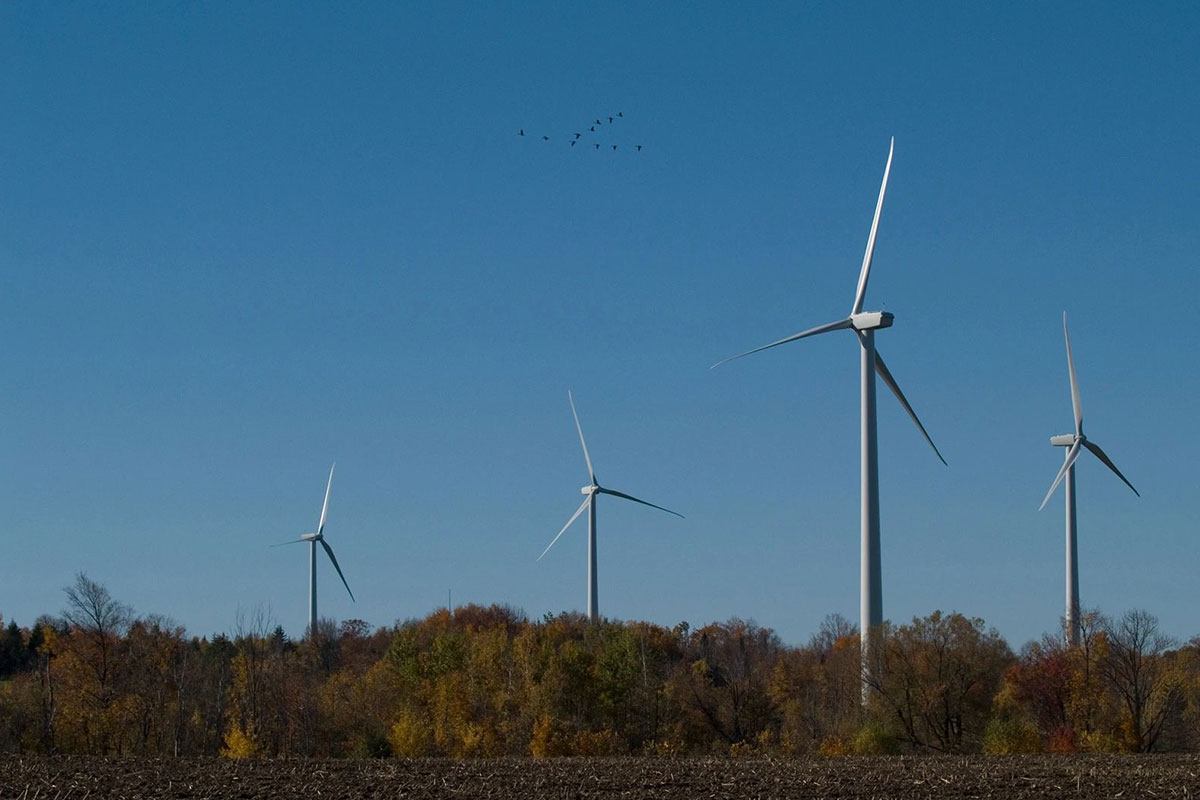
x=77, y=778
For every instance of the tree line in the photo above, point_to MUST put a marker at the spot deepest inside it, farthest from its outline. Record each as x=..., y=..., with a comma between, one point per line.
x=488, y=681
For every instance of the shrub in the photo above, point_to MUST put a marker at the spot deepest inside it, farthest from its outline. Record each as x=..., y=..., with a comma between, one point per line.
x=1006, y=736
x=409, y=737
x=834, y=747
x=596, y=743
x=876, y=739
x=548, y=739
x=239, y=743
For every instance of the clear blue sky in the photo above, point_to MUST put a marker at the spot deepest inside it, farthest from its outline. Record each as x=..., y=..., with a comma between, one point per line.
x=241, y=241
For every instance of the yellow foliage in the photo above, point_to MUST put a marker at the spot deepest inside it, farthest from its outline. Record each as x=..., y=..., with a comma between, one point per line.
x=1007, y=736
x=239, y=743
x=548, y=740
x=596, y=743
x=409, y=736
x=1099, y=742
x=742, y=749
x=479, y=740
x=833, y=747
x=664, y=748
x=875, y=739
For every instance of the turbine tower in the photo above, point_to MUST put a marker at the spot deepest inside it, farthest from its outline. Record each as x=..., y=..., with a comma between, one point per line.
x=591, y=491
x=313, y=540
x=1074, y=442
x=864, y=324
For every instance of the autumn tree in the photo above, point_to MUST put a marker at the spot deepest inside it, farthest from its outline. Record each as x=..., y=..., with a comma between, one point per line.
x=1137, y=671
x=723, y=682
x=939, y=675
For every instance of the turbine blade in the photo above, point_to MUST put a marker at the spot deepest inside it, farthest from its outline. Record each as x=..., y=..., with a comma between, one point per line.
x=832, y=326
x=290, y=541
x=325, y=505
x=574, y=517
x=884, y=373
x=643, y=502
x=329, y=552
x=861, y=293
x=1095, y=448
x=1076, y=403
x=1072, y=454
x=578, y=427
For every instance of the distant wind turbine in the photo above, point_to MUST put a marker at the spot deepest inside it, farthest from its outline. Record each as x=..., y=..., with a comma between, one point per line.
x=1074, y=442
x=864, y=324
x=313, y=539
x=591, y=491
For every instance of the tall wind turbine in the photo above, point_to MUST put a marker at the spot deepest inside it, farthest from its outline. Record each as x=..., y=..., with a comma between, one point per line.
x=313, y=540
x=1074, y=442
x=864, y=324
x=591, y=491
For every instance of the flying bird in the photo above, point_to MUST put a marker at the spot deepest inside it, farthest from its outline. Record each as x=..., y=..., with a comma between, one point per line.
x=610, y=120
x=592, y=129
x=619, y=114
x=614, y=147
x=597, y=147
x=598, y=122
x=578, y=135
x=572, y=143
x=522, y=133
x=545, y=138
x=639, y=147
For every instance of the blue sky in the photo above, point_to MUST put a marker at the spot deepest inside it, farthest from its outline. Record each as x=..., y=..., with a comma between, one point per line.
x=241, y=241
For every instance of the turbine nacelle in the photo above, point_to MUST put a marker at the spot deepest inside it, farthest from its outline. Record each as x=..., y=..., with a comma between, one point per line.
x=311, y=537
x=590, y=489
x=870, y=320
x=1064, y=440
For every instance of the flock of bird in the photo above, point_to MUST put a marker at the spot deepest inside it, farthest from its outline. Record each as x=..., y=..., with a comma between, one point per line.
x=577, y=137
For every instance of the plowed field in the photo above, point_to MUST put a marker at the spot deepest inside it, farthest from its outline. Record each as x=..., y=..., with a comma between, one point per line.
x=59, y=778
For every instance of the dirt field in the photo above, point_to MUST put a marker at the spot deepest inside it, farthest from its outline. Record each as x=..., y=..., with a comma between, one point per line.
x=29, y=778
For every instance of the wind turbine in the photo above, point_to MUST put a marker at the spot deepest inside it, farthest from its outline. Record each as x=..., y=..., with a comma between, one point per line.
x=1074, y=442
x=591, y=491
x=864, y=324
x=313, y=539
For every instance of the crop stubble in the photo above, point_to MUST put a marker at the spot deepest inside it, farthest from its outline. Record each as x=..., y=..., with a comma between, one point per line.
x=79, y=778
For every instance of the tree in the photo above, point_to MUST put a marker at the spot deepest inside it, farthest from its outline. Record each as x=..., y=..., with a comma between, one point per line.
x=93, y=613
x=723, y=681
x=938, y=679
x=1137, y=672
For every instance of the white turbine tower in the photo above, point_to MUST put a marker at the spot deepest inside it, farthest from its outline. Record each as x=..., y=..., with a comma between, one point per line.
x=591, y=491
x=1074, y=442
x=864, y=324
x=313, y=540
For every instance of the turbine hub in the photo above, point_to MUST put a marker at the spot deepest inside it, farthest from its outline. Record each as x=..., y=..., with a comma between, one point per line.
x=870, y=320
x=589, y=489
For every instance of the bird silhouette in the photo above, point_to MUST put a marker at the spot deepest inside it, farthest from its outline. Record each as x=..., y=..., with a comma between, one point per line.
x=610, y=120
x=639, y=147
x=545, y=138
x=572, y=143
x=619, y=114
x=578, y=135
x=597, y=146
x=614, y=147
x=598, y=122
x=592, y=129
x=522, y=133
